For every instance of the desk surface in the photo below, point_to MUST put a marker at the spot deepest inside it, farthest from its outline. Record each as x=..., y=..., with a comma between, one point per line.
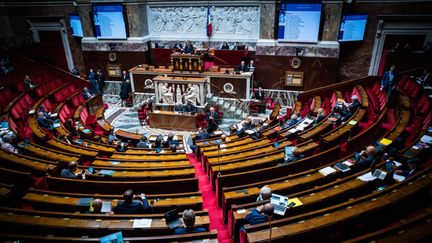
x=172, y=120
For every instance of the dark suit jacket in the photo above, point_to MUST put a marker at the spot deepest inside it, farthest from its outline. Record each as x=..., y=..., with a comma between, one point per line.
x=43, y=123
x=136, y=207
x=259, y=95
x=86, y=95
x=215, y=116
x=243, y=68
x=387, y=81
x=142, y=144
x=92, y=76
x=184, y=230
x=255, y=217
x=126, y=77
x=66, y=173
x=201, y=136
x=366, y=162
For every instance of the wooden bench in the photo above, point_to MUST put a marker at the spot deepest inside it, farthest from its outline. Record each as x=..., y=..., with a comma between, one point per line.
x=150, y=187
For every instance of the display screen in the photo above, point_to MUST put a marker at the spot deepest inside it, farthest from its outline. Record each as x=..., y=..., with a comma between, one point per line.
x=299, y=21
x=109, y=21
x=75, y=24
x=352, y=27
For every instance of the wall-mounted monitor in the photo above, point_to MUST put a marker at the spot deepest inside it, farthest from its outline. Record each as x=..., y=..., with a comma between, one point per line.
x=109, y=21
x=75, y=24
x=352, y=27
x=299, y=21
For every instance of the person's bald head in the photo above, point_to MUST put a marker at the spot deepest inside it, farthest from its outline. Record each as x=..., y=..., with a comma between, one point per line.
x=97, y=205
x=268, y=209
x=211, y=109
x=72, y=166
x=41, y=114
x=128, y=195
x=371, y=150
x=265, y=192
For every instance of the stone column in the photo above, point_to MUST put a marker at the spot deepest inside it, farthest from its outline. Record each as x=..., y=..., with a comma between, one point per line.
x=137, y=19
x=267, y=19
x=332, y=16
x=84, y=12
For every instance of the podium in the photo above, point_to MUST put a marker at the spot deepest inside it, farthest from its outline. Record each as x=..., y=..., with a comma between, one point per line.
x=187, y=62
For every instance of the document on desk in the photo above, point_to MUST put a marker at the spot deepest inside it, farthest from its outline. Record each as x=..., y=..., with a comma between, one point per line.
x=142, y=223
x=398, y=178
x=327, y=171
x=367, y=177
x=293, y=130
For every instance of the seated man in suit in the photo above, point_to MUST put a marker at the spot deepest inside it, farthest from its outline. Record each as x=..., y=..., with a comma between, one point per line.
x=201, y=135
x=242, y=67
x=43, y=122
x=351, y=107
x=265, y=194
x=97, y=206
x=121, y=147
x=251, y=66
x=366, y=157
x=260, y=214
x=189, y=224
x=86, y=94
x=412, y=169
x=28, y=83
x=111, y=136
x=131, y=206
x=189, y=107
x=143, y=143
x=259, y=94
x=69, y=172
x=247, y=125
x=170, y=138
x=6, y=144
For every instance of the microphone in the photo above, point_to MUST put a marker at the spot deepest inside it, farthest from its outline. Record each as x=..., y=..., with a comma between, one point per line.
x=270, y=228
x=219, y=173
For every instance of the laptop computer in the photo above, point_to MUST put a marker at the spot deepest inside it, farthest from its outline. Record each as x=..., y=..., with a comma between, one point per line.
x=106, y=207
x=172, y=218
x=279, y=203
x=112, y=238
x=288, y=151
x=379, y=174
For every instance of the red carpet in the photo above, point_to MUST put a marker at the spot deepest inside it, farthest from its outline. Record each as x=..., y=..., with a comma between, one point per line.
x=210, y=202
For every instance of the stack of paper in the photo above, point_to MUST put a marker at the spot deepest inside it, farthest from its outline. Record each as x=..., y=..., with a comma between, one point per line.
x=327, y=171
x=142, y=223
x=385, y=141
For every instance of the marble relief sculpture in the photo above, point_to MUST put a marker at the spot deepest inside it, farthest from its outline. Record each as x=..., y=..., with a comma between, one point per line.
x=166, y=93
x=192, y=20
x=192, y=94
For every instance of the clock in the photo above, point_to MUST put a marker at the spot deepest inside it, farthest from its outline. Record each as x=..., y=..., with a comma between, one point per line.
x=112, y=56
x=295, y=62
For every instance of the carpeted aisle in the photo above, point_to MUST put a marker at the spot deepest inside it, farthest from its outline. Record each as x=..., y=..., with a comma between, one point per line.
x=210, y=202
